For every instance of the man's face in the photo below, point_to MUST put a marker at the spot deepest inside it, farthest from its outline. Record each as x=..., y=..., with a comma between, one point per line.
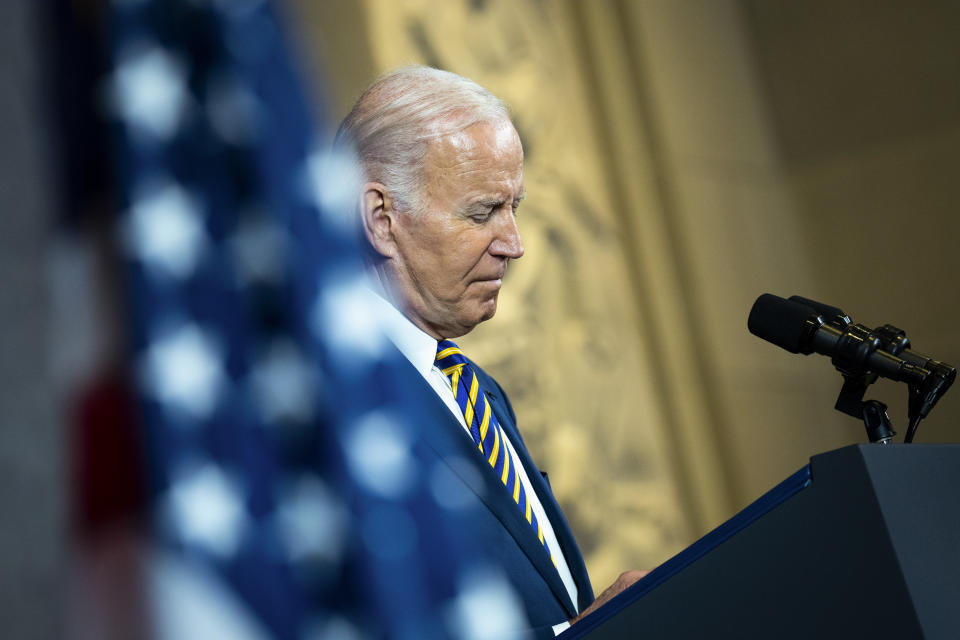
x=452, y=255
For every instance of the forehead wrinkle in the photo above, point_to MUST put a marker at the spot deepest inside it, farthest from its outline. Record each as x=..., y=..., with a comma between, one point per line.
x=464, y=146
x=452, y=151
x=478, y=160
x=496, y=192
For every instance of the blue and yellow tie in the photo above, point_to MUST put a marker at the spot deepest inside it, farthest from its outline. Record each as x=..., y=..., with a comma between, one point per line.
x=485, y=429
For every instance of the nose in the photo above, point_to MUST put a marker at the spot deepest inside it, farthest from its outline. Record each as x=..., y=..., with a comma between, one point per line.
x=507, y=243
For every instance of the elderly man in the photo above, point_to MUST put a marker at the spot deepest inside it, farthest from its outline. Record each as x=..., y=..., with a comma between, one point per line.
x=444, y=178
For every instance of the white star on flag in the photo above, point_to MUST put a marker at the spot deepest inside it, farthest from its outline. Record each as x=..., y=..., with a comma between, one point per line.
x=206, y=509
x=149, y=91
x=184, y=371
x=165, y=232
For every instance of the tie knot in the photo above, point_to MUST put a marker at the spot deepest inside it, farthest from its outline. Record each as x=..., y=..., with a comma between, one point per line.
x=449, y=355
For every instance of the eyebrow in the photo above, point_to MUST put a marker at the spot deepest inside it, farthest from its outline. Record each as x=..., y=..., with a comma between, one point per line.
x=495, y=202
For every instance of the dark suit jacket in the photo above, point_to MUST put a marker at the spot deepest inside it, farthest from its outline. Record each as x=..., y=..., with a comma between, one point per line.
x=499, y=525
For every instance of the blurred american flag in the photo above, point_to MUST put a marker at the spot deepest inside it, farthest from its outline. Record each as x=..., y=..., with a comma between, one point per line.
x=287, y=493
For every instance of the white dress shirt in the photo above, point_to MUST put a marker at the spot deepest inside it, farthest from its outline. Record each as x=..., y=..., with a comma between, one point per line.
x=421, y=350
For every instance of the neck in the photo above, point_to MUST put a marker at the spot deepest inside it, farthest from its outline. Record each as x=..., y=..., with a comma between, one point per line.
x=381, y=283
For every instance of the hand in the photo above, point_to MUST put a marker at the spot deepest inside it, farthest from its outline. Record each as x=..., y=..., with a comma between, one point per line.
x=626, y=579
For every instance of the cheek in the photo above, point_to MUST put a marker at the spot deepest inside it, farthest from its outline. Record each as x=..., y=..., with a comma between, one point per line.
x=473, y=247
x=450, y=258
x=451, y=250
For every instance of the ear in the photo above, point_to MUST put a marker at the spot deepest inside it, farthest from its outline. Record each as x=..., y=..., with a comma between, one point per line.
x=379, y=218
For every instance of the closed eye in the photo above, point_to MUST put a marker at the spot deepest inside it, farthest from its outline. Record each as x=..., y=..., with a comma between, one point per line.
x=482, y=211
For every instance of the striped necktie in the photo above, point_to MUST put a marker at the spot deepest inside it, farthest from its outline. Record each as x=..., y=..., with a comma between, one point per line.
x=485, y=429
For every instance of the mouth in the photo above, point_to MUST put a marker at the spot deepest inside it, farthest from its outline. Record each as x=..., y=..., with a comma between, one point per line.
x=492, y=280
x=491, y=286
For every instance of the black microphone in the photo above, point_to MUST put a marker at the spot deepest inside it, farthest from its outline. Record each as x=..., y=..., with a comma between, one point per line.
x=853, y=348
x=895, y=341
x=805, y=326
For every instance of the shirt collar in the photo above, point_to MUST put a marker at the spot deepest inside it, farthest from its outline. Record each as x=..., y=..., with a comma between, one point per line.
x=416, y=346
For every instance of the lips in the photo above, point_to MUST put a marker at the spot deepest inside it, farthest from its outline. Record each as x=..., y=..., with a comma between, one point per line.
x=498, y=279
x=494, y=276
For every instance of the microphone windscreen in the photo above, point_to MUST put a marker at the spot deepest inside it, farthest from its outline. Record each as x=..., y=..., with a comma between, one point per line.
x=782, y=322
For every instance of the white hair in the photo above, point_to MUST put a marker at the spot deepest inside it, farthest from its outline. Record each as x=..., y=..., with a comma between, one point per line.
x=393, y=122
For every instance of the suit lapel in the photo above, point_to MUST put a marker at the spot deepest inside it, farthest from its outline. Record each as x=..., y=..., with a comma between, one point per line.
x=448, y=439
x=560, y=527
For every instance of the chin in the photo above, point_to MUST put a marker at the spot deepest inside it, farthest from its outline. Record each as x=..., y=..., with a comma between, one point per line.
x=488, y=309
x=484, y=313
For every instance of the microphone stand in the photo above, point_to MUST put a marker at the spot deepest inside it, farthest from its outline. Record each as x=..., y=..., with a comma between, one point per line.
x=856, y=379
x=935, y=378
x=927, y=379
x=872, y=412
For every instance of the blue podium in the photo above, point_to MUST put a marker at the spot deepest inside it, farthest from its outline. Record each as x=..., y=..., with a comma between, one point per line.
x=864, y=542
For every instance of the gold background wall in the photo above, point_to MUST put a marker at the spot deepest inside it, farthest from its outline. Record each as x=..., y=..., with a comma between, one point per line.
x=682, y=158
